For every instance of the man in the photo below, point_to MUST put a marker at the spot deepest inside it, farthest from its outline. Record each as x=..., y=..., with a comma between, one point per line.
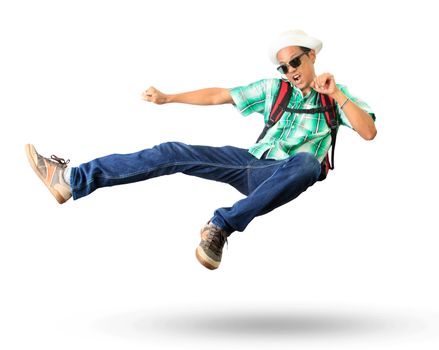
x=281, y=165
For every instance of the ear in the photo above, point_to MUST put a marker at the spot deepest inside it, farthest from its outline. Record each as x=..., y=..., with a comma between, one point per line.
x=312, y=56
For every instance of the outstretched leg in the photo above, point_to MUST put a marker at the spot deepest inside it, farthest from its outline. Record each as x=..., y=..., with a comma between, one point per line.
x=225, y=164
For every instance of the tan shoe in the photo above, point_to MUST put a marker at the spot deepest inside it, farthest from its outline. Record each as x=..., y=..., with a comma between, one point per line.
x=210, y=249
x=50, y=171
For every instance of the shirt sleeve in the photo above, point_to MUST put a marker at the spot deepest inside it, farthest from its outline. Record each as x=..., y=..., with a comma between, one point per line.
x=251, y=98
x=360, y=103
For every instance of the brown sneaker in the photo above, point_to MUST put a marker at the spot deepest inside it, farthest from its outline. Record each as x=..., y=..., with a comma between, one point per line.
x=210, y=249
x=50, y=171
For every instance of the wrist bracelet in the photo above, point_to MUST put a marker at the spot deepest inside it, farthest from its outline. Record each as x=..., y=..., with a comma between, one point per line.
x=342, y=105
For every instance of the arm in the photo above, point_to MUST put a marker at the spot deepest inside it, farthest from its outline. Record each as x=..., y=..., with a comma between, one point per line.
x=209, y=96
x=360, y=120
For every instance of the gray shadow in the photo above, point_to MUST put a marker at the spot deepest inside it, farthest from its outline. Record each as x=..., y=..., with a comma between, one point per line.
x=275, y=323
x=261, y=324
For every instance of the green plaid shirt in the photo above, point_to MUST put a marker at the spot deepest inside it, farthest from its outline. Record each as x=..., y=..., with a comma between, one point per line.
x=293, y=133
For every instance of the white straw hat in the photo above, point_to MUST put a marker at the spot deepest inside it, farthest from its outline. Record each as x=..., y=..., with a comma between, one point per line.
x=293, y=38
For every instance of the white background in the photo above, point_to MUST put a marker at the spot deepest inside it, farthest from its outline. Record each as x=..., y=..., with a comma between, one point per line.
x=117, y=269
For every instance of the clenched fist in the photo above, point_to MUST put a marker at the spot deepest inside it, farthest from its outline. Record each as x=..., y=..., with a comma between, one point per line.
x=325, y=84
x=154, y=95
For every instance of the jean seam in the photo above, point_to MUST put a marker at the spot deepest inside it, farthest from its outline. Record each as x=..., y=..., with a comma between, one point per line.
x=248, y=167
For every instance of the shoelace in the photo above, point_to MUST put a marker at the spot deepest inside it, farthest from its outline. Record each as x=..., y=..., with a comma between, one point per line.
x=59, y=160
x=216, y=239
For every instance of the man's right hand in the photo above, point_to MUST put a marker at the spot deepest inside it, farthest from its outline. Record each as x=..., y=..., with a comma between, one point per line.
x=155, y=96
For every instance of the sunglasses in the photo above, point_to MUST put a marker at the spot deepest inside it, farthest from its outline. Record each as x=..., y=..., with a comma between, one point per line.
x=294, y=62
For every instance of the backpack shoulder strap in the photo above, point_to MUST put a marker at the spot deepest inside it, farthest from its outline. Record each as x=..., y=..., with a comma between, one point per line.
x=332, y=122
x=280, y=103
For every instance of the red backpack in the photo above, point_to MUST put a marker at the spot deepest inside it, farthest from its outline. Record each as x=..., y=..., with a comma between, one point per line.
x=327, y=106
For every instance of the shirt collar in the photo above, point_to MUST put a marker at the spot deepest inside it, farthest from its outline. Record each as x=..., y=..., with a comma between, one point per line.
x=297, y=91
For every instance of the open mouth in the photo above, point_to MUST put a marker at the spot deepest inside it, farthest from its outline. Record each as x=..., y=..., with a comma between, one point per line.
x=297, y=78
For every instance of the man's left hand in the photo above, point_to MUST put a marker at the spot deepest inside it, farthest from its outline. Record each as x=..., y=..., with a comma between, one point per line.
x=325, y=84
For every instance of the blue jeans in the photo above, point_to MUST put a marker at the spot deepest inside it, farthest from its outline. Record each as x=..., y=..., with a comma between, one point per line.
x=266, y=183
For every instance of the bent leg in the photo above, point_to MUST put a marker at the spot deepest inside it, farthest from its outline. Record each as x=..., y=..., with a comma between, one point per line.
x=225, y=164
x=292, y=177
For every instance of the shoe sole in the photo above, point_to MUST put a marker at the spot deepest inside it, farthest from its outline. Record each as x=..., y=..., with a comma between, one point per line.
x=29, y=148
x=206, y=261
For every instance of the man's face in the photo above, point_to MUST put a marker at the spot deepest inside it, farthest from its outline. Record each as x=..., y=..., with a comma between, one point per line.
x=303, y=75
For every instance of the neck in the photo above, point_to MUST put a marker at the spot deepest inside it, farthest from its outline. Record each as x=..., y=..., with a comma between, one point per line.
x=307, y=89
